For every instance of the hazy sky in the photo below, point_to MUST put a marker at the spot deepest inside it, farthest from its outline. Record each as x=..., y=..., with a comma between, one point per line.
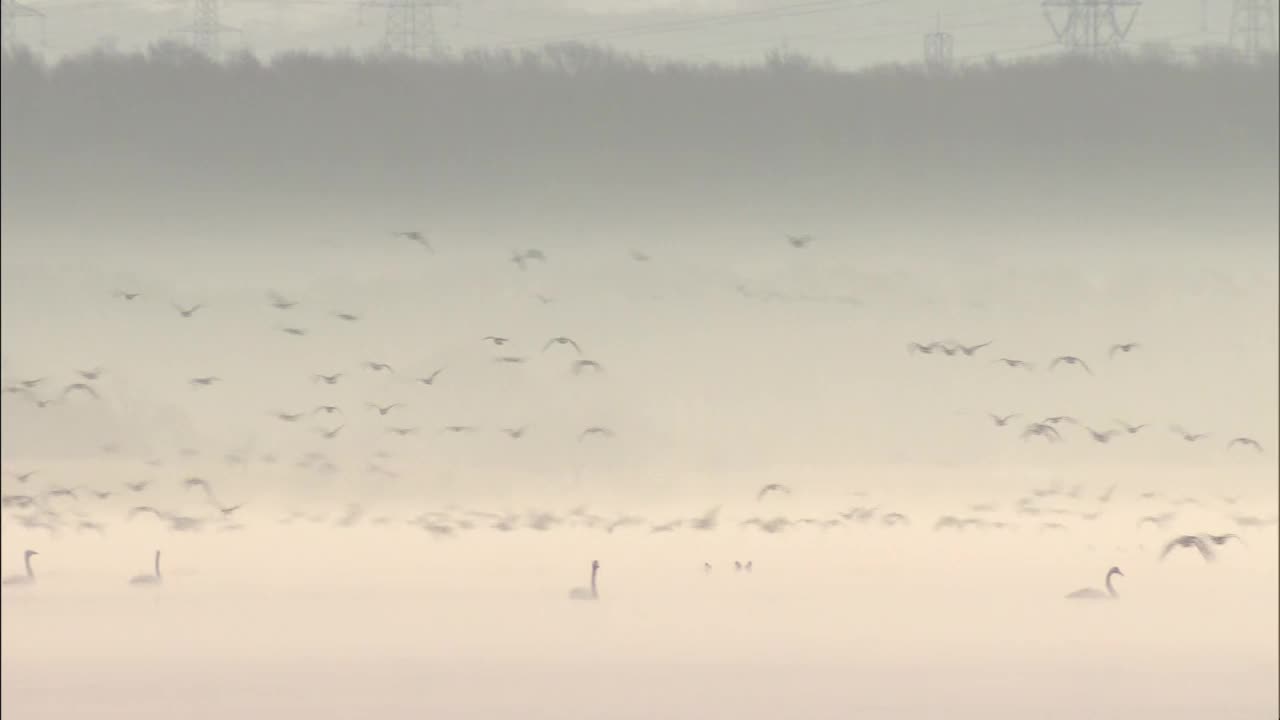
x=848, y=32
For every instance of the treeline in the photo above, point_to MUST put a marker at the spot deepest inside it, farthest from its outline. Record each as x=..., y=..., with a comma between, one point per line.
x=579, y=111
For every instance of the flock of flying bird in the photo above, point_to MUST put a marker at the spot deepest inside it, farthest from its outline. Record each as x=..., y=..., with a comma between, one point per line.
x=38, y=512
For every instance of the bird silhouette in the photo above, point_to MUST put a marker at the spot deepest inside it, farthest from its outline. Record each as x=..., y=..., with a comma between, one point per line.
x=280, y=302
x=1048, y=432
x=27, y=578
x=1245, y=442
x=561, y=340
x=1096, y=594
x=581, y=593
x=1192, y=541
x=384, y=409
x=186, y=312
x=1000, y=420
x=1131, y=429
x=417, y=237
x=1188, y=436
x=328, y=379
x=772, y=488
x=1070, y=360
x=800, y=241
x=1011, y=362
x=1123, y=348
x=595, y=430
x=430, y=379
x=80, y=387
x=1102, y=437
x=969, y=350
x=378, y=366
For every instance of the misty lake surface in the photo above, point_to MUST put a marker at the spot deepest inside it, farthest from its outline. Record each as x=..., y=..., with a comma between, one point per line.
x=860, y=622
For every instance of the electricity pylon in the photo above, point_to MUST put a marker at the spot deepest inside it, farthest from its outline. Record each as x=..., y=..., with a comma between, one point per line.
x=939, y=49
x=411, y=27
x=10, y=13
x=1093, y=27
x=1253, y=27
x=206, y=28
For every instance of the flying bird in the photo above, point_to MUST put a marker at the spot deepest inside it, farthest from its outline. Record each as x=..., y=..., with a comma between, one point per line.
x=430, y=379
x=279, y=302
x=1102, y=437
x=969, y=350
x=328, y=379
x=1192, y=541
x=1123, y=348
x=579, y=366
x=416, y=237
x=1070, y=360
x=515, y=433
x=204, y=381
x=1246, y=442
x=499, y=341
x=1001, y=421
x=562, y=340
x=1010, y=362
x=186, y=312
x=384, y=409
x=1188, y=436
x=82, y=387
x=376, y=366
x=772, y=487
x=800, y=241
x=595, y=430
x=1047, y=432
x=294, y=331
x=128, y=295
x=1131, y=429
x=346, y=316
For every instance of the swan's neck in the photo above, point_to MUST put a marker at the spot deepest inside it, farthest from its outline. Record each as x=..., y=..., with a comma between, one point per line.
x=27, y=561
x=1111, y=588
x=594, y=592
x=158, y=566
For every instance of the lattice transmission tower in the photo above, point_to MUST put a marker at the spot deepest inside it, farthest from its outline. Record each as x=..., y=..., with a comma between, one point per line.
x=939, y=49
x=1092, y=27
x=1253, y=27
x=11, y=12
x=206, y=28
x=411, y=28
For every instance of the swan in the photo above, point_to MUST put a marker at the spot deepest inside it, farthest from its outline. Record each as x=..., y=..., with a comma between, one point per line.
x=29, y=578
x=1095, y=593
x=149, y=580
x=581, y=593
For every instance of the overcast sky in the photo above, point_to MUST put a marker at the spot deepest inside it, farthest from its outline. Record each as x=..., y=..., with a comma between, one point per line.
x=849, y=32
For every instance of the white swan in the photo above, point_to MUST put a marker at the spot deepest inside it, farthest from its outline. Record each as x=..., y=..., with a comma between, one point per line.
x=1095, y=593
x=29, y=578
x=581, y=593
x=149, y=580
